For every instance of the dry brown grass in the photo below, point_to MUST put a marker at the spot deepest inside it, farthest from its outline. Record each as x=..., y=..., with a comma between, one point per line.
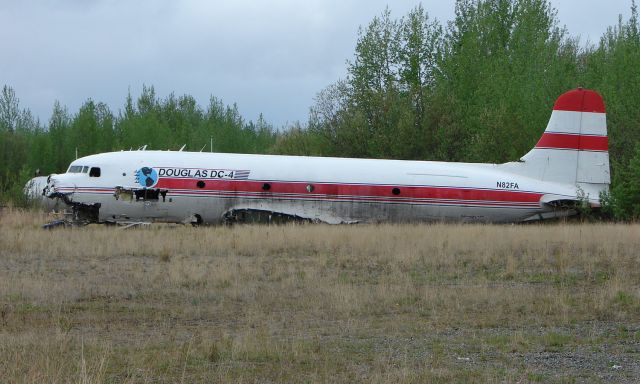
x=314, y=303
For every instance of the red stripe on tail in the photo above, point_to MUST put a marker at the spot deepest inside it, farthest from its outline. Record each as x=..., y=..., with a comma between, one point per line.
x=569, y=141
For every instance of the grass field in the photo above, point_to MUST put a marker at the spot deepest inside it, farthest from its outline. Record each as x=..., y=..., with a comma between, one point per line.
x=315, y=303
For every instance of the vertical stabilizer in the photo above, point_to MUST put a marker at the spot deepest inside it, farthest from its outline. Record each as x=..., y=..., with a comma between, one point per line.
x=574, y=147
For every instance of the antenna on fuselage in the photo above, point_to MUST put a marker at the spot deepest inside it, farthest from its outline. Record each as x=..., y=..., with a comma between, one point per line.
x=202, y=149
x=181, y=148
x=211, y=144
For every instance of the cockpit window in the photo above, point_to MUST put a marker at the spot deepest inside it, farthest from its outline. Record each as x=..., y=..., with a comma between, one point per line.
x=85, y=169
x=94, y=172
x=75, y=169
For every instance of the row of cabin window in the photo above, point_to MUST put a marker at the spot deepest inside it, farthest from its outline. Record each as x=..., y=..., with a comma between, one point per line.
x=93, y=171
x=310, y=187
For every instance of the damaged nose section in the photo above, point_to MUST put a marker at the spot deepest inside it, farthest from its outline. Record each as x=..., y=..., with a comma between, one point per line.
x=57, y=188
x=50, y=189
x=54, y=189
x=76, y=213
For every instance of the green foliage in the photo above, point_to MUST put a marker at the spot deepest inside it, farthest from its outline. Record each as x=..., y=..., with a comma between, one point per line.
x=380, y=110
x=19, y=132
x=505, y=63
x=625, y=193
x=13, y=186
x=298, y=141
x=612, y=68
x=417, y=91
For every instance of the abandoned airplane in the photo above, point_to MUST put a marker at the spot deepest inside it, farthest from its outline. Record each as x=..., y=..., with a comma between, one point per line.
x=569, y=165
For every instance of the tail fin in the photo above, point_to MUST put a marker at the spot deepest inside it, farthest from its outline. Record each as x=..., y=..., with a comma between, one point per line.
x=574, y=148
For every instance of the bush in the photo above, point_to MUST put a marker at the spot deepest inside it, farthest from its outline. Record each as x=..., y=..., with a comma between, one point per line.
x=624, y=201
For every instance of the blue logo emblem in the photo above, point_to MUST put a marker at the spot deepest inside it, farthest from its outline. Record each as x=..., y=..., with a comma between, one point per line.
x=147, y=177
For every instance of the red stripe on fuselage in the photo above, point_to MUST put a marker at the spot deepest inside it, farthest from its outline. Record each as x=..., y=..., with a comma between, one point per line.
x=334, y=190
x=553, y=140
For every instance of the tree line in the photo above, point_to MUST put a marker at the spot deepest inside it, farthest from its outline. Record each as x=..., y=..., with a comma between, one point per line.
x=478, y=88
x=28, y=147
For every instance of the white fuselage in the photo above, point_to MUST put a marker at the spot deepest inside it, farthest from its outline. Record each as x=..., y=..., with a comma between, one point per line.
x=180, y=186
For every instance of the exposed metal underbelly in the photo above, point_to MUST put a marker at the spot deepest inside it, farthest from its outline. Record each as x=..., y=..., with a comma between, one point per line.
x=213, y=207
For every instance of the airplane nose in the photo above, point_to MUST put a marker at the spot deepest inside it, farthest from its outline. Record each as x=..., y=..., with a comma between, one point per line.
x=59, y=185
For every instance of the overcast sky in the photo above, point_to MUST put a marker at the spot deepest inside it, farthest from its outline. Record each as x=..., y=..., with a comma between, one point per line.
x=266, y=56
